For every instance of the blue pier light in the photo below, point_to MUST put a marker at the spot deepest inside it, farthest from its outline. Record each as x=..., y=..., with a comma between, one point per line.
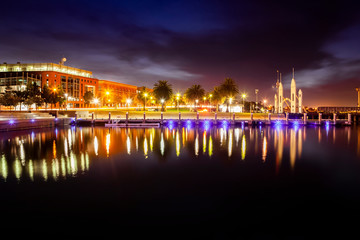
x=296, y=125
x=188, y=124
x=225, y=124
x=171, y=124
x=11, y=122
x=206, y=124
x=32, y=120
x=327, y=126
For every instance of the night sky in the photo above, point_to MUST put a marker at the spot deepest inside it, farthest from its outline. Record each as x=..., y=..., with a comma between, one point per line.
x=188, y=42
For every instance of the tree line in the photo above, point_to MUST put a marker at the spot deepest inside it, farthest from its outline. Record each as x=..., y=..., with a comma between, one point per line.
x=34, y=95
x=162, y=93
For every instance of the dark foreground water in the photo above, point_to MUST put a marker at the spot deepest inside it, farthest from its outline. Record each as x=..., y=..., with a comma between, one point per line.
x=188, y=183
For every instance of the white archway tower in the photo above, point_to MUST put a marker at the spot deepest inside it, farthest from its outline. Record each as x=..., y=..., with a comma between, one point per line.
x=300, y=101
x=293, y=94
x=281, y=97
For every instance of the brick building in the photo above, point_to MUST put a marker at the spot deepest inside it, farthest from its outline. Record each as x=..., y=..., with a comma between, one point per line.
x=73, y=82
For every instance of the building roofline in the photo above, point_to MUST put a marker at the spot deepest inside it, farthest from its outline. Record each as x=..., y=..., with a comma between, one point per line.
x=100, y=81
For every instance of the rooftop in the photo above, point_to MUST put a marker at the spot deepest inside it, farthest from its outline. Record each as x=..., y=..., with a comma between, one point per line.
x=19, y=67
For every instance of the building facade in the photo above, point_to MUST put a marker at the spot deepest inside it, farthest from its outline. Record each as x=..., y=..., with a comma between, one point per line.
x=72, y=82
x=115, y=94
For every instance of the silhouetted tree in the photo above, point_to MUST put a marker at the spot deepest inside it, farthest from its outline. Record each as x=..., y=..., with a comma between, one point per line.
x=162, y=91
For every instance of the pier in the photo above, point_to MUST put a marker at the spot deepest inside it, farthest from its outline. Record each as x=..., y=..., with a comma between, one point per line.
x=196, y=120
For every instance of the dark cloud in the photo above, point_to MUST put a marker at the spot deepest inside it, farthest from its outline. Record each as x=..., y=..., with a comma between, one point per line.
x=140, y=42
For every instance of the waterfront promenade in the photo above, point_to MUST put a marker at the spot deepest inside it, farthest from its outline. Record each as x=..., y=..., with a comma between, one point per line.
x=16, y=120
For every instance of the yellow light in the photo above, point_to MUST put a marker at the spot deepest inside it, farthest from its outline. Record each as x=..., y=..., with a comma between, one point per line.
x=107, y=93
x=244, y=96
x=145, y=94
x=54, y=89
x=243, y=147
x=204, y=98
x=210, y=95
x=108, y=144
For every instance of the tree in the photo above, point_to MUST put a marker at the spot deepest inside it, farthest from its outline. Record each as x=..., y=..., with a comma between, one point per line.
x=162, y=92
x=33, y=95
x=88, y=97
x=21, y=95
x=9, y=99
x=217, y=97
x=143, y=95
x=46, y=95
x=195, y=92
x=229, y=89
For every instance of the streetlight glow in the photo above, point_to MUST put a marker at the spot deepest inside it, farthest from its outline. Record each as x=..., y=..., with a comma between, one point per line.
x=177, y=99
x=243, y=97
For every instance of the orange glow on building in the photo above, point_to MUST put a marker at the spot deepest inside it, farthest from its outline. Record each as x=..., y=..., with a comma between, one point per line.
x=115, y=93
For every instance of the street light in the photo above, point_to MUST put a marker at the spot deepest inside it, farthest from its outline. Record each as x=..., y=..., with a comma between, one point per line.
x=162, y=104
x=230, y=100
x=96, y=101
x=210, y=96
x=128, y=101
x=243, y=97
x=204, y=100
x=177, y=99
x=196, y=101
x=256, y=102
x=145, y=95
x=265, y=101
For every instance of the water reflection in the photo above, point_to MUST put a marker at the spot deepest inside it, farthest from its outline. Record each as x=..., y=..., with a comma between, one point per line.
x=56, y=154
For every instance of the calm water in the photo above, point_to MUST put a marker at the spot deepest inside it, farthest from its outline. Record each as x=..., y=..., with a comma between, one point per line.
x=262, y=182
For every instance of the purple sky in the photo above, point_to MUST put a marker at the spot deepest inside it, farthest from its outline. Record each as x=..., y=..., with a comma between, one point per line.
x=202, y=42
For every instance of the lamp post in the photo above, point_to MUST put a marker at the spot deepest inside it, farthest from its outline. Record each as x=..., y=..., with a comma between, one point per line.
x=230, y=101
x=145, y=95
x=210, y=96
x=177, y=100
x=265, y=101
x=196, y=101
x=128, y=101
x=204, y=99
x=54, y=91
x=243, y=97
x=162, y=104
x=256, y=99
x=96, y=101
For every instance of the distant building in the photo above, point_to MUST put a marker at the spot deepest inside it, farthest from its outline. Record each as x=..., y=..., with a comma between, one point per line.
x=115, y=94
